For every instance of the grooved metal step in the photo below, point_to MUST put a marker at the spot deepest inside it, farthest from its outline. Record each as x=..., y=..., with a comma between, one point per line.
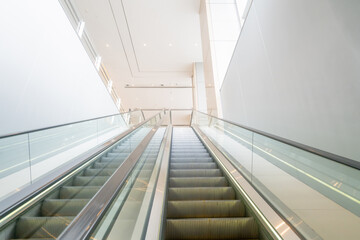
x=201, y=193
x=212, y=228
x=195, y=155
x=90, y=180
x=201, y=204
x=205, y=209
x=195, y=173
x=106, y=165
x=77, y=192
x=99, y=171
x=191, y=160
x=62, y=207
x=198, y=182
x=185, y=150
x=211, y=165
x=41, y=227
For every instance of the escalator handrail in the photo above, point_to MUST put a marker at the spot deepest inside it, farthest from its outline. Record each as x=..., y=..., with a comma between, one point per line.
x=343, y=160
x=65, y=124
x=20, y=206
x=86, y=221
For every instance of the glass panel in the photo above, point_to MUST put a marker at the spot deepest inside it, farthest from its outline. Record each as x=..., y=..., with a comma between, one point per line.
x=320, y=197
x=14, y=164
x=235, y=142
x=110, y=127
x=53, y=147
x=50, y=216
x=134, y=117
x=128, y=214
x=306, y=187
x=29, y=157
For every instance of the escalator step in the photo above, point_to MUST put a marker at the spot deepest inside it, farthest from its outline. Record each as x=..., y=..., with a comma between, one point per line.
x=212, y=228
x=191, y=159
x=41, y=227
x=62, y=207
x=99, y=172
x=110, y=159
x=201, y=193
x=77, y=192
x=107, y=165
x=205, y=209
x=119, y=155
x=121, y=150
x=196, y=173
x=33, y=239
x=90, y=180
x=190, y=154
x=198, y=182
x=190, y=147
x=195, y=144
x=193, y=165
x=106, y=159
x=185, y=150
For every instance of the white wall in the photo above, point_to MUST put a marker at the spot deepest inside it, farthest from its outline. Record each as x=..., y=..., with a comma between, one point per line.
x=46, y=77
x=199, y=90
x=295, y=73
x=224, y=27
x=158, y=98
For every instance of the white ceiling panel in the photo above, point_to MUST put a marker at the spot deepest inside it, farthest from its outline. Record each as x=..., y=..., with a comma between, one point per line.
x=144, y=41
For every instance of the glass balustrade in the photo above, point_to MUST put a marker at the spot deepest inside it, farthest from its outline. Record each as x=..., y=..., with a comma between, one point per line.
x=26, y=158
x=318, y=196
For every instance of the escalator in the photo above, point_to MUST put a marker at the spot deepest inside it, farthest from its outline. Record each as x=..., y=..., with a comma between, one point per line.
x=49, y=217
x=201, y=204
x=153, y=182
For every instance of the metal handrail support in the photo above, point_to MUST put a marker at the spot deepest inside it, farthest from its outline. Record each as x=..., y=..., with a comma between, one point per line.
x=191, y=116
x=142, y=113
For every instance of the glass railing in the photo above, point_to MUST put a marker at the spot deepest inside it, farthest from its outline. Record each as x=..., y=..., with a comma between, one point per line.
x=128, y=214
x=134, y=117
x=27, y=157
x=318, y=196
x=60, y=202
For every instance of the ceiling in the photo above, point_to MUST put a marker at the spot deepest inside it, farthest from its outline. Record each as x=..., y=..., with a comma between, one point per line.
x=144, y=42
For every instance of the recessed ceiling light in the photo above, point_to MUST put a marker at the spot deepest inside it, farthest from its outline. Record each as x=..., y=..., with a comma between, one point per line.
x=196, y=44
x=170, y=45
x=144, y=44
x=107, y=45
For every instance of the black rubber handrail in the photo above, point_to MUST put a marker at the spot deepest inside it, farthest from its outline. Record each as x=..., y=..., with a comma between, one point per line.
x=343, y=160
x=61, y=125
